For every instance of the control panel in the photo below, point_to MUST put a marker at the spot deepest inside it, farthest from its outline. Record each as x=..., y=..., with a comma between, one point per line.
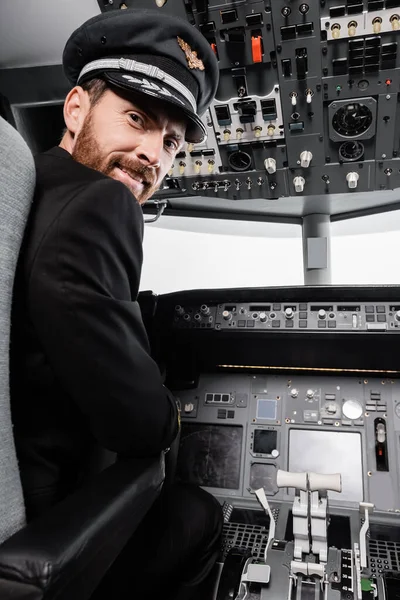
x=252, y=425
x=307, y=102
x=339, y=316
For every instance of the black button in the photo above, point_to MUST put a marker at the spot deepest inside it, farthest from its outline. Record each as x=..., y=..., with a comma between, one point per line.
x=370, y=318
x=303, y=307
x=381, y=318
x=321, y=324
x=303, y=324
x=381, y=309
x=250, y=323
x=241, y=323
x=289, y=323
x=331, y=324
x=369, y=309
x=303, y=315
x=276, y=323
x=276, y=307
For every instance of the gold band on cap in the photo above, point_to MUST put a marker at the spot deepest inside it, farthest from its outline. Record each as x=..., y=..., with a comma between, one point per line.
x=134, y=66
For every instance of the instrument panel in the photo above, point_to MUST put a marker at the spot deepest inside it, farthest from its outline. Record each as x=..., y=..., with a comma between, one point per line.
x=290, y=316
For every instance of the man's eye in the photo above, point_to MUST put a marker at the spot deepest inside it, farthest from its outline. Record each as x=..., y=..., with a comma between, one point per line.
x=136, y=118
x=172, y=144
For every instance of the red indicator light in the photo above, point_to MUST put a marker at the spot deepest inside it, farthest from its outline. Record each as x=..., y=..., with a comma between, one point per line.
x=388, y=81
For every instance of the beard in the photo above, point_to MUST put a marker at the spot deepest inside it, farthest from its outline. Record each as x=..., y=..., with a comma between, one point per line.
x=87, y=151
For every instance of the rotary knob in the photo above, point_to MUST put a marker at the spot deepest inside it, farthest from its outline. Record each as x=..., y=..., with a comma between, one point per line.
x=227, y=315
x=270, y=165
x=310, y=394
x=397, y=315
x=305, y=159
x=331, y=408
x=352, y=180
x=295, y=392
x=322, y=314
x=298, y=183
x=263, y=317
x=289, y=314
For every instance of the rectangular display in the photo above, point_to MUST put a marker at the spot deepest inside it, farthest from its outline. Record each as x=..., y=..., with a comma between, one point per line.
x=264, y=441
x=329, y=452
x=266, y=409
x=209, y=455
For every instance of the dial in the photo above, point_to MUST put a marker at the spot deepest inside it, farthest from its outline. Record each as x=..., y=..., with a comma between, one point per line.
x=352, y=119
x=239, y=161
x=352, y=409
x=351, y=150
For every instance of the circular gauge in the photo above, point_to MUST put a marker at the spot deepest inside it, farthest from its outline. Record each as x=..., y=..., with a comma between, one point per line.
x=352, y=409
x=239, y=161
x=352, y=119
x=351, y=150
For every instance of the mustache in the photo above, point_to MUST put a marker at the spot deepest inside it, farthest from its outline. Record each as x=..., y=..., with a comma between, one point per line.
x=136, y=169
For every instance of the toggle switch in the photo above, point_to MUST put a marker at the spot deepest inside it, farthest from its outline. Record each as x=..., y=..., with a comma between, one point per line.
x=377, y=25
x=352, y=179
x=309, y=95
x=335, y=31
x=197, y=166
x=271, y=130
x=352, y=28
x=227, y=135
x=298, y=183
x=270, y=165
x=395, y=21
x=211, y=165
x=257, y=131
x=182, y=166
x=293, y=96
x=305, y=159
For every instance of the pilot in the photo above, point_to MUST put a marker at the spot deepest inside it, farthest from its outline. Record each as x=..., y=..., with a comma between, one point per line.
x=82, y=373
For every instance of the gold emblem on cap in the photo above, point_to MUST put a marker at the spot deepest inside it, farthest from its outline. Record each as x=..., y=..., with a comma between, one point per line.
x=191, y=55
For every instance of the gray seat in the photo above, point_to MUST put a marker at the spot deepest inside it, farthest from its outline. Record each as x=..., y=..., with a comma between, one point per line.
x=65, y=553
x=17, y=176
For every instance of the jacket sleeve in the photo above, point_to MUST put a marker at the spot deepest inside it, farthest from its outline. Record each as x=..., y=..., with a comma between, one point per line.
x=82, y=300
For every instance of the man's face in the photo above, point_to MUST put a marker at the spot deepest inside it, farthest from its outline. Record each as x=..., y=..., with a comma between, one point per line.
x=133, y=141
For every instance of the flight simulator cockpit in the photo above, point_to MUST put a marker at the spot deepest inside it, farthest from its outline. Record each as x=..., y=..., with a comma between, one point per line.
x=289, y=396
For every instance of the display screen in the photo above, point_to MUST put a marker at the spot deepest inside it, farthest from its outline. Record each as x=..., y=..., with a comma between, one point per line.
x=329, y=452
x=263, y=476
x=264, y=441
x=209, y=455
x=266, y=409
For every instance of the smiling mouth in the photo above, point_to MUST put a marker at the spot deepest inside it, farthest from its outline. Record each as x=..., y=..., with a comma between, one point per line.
x=133, y=177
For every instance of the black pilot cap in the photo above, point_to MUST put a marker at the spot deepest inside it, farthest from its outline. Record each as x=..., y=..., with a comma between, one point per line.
x=151, y=52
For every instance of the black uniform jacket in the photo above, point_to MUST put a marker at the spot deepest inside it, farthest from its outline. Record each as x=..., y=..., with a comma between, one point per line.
x=81, y=370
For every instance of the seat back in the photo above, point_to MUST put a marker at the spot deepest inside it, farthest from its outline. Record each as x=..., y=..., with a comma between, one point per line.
x=17, y=183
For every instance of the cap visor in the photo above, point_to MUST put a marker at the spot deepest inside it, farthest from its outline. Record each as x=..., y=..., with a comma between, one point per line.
x=195, y=131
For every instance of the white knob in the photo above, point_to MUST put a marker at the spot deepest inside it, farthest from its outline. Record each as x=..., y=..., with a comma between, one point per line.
x=352, y=179
x=294, y=392
x=289, y=313
x=275, y=453
x=288, y=479
x=380, y=433
x=331, y=408
x=189, y=407
x=294, y=100
x=310, y=393
x=309, y=98
x=322, y=482
x=263, y=317
x=305, y=159
x=322, y=314
x=397, y=315
x=270, y=165
x=227, y=315
x=298, y=183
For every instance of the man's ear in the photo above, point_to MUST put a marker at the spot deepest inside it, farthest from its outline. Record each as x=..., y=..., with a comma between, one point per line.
x=76, y=107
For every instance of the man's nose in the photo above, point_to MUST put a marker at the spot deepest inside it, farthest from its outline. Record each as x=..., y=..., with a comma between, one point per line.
x=150, y=149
